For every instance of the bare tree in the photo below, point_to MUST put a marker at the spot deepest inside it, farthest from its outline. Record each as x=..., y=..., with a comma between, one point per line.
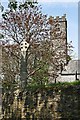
x=25, y=21
x=46, y=46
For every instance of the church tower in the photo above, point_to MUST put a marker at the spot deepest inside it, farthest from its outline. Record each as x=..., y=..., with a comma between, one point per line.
x=58, y=38
x=58, y=34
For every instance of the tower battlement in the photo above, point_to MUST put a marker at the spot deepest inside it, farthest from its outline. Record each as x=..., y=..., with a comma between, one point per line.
x=58, y=18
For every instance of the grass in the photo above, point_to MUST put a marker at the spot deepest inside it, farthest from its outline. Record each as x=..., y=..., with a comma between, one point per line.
x=54, y=85
x=77, y=82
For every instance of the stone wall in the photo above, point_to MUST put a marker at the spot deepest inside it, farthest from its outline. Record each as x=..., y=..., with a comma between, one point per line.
x=61, y=103
x=49, y=103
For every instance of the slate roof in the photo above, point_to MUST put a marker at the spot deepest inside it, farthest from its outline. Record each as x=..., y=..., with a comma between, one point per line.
x=72, y=67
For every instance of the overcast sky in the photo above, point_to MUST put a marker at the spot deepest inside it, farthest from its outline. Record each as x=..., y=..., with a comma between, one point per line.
x=59, y=8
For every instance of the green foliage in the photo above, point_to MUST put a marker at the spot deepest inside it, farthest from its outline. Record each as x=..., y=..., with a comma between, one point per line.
x=12, y=5
x=64, y=84
x=4, y=15
x=41, y=76
x=26, y=4
x=52, y=85
x=1, y=36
